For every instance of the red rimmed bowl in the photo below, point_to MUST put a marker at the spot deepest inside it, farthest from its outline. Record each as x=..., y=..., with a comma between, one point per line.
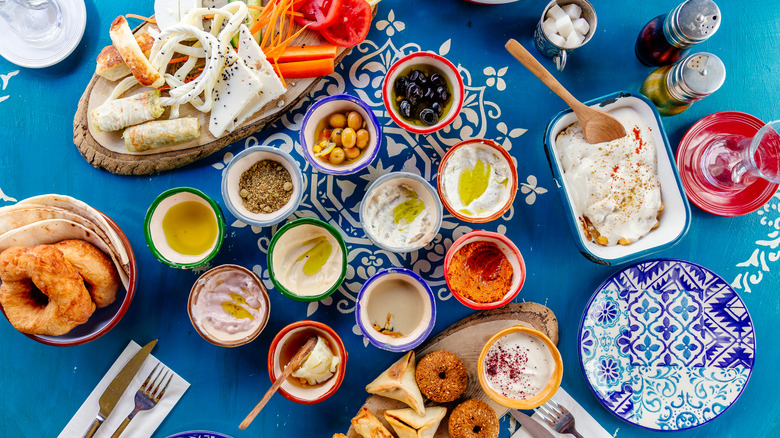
x=287, y=342
x=512, y=255
x=103, y=319
x=451, y=167
x=425, y=60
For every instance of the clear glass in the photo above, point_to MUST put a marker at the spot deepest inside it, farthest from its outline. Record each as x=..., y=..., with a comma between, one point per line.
x=39, y=22
x=733, y=162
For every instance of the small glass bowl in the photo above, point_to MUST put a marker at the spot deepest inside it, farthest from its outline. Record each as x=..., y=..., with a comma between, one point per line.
x=322, y=109
x=275, y=241
x=512, y=255
x=545, y=394
x=443, y=194
x=155, y=237
x=441, y=64
x=316, y=394
x=243, y=161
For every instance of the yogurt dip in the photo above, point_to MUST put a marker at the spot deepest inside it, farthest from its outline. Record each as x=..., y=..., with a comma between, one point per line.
x=307, y=260
x=396, y=216
x=518, y=366
x=476, y=180
x=613, y=186
x=320, y=364
x=228, y=305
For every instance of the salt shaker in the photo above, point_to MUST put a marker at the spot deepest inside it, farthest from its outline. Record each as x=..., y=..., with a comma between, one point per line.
x=665, y=38
x=674, y=88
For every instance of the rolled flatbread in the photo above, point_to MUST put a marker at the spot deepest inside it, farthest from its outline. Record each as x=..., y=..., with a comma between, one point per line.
x=121, y=113
x=161, y=133
x=128, y=48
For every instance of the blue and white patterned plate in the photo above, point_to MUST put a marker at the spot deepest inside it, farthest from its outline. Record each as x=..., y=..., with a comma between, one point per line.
x=666, y=344
x=199, y=434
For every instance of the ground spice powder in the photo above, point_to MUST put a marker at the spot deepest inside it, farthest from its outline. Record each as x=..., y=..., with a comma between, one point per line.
x=265, y=187
x=480, y=272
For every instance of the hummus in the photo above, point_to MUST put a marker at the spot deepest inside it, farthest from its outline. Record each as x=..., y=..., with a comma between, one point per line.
x=320, y=365
x=229, y=305
x=518, y=366
x=476, y=180
x=307, y=260
x=613, y=186
x=396, y=216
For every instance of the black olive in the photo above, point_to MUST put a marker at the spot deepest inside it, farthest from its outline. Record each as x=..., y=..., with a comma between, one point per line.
x=414, y=93
x=442, y=94
x=437, y=80
x=436, y=107
x=418, y=77
x=400, y=85
x=429, y=94
x=428, y=116
x=406, y=108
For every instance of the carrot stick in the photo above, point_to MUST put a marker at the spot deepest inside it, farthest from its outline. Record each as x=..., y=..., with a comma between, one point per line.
x=141, y=17
x=308, y=53
x=208, y=16
x=175, y=60
x=305, y=69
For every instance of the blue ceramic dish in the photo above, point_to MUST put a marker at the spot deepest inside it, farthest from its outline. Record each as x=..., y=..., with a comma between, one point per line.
x=676, y=215
x=401, y=305
x=666, y=344
x=199, y=434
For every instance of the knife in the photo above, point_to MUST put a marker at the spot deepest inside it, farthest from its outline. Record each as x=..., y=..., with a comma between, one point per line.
x=532, y=426
x=117, y=387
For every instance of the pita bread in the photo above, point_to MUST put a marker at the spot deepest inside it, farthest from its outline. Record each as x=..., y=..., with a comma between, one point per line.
x=408, y=424
x=398, y=382
x=367, y=425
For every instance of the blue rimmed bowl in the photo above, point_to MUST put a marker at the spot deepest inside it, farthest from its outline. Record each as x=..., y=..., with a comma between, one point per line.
x=396, y=300
x=243, y=161
x=676, y=215
x=323, y=109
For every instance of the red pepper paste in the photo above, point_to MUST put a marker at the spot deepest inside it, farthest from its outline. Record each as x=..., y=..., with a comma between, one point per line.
x=480, y=272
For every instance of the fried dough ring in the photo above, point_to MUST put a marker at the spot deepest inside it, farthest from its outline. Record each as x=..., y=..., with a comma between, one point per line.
x=95, y=268
x=44, y=266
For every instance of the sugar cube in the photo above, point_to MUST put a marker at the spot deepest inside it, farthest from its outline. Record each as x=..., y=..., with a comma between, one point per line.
x=565, y=26
x=555, y=12
x=557, y=39
x=573, y=41
x=581, y=26
x=549, y=27
x=573, y=11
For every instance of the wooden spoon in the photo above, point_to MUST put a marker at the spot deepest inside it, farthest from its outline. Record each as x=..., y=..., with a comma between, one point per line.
x=597, y=126
x=292, y=366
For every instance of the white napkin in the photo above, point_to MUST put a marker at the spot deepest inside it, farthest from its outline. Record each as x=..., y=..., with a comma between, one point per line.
x=585, y=424
x=145, y=422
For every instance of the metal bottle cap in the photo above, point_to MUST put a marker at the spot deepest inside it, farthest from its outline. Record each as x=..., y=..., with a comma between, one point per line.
x=692, y=22
x=696, y=77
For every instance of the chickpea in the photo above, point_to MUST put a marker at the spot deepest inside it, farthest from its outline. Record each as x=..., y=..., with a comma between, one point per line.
x=336, y=156
x=325, y=134
x=336, y=136
x=348, y=138
x=338, y=121
x=352, y=153
x=354, y=120
x=362, y=138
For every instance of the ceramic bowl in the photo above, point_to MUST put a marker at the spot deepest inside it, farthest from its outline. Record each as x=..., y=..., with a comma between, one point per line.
x=437, y=62
x=397, y=292
x=155, y=237
x=423, y=189
x=512, y=254
x=197, y=290
x=545, y=394
x=500, y=209
x=676, y=215
x=294, y=392
x=243, y=161
x=103, y=319
x=323, y=109
x=275, y=245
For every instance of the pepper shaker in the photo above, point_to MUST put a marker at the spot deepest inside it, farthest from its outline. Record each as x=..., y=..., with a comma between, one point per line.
x=673, y=88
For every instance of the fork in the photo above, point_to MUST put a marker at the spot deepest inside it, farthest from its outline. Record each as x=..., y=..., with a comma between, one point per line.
x=558, y=417
x=147, y=396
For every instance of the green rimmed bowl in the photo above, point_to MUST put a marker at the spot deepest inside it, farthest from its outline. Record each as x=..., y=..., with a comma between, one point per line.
x=155, y=236
x=288, y=247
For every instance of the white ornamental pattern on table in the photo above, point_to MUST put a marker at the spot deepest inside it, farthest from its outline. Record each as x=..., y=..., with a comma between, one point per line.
x=336, y=200
x=4, y=79
x=767, y=247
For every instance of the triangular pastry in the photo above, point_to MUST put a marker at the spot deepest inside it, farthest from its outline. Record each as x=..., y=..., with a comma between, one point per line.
x=367, y=425
x=398, y=382
x=408, y=424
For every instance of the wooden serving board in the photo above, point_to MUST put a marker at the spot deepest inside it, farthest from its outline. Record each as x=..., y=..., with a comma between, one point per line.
x=466, y=338
x=107, y=149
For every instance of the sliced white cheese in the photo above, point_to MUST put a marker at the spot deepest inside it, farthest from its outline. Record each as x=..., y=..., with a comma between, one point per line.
x=236, y=87
x=251, y=53
x=166, y=12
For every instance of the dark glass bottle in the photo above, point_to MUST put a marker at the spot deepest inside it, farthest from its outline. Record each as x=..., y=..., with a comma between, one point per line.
x=665, y=38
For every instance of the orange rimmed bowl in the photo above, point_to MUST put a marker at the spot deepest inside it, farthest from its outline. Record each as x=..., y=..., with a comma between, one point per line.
x=295, y=393
x=448, y=187
x=544, y=394
x=512, y=254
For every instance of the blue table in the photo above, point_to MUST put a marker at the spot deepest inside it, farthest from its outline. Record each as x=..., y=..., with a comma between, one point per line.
x=43, y=386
